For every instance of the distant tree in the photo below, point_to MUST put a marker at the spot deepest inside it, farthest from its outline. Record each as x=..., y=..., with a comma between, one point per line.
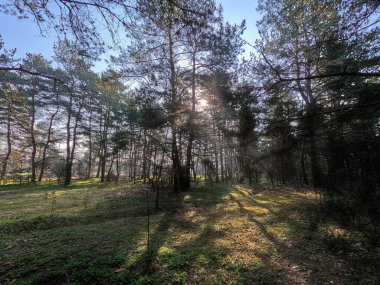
x=81, y=81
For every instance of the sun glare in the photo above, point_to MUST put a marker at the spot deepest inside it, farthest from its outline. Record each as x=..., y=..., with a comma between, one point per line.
x=203, y=103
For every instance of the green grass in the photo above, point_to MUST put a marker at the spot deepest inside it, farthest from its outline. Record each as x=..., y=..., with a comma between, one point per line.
x=90, y=233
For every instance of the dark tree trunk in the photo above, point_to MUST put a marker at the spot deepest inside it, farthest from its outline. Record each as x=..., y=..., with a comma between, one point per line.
x=68, y=166
x=178, y=179
x=71, y=152
x=89, y=166
x=110, y=169
x=187, y=176
x=314, y=159
x=9, y=144
x=104, y=147
x=33, y=139
x=46, y=145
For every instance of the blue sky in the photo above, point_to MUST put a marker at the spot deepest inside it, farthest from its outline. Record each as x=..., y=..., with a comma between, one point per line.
x=24, y=35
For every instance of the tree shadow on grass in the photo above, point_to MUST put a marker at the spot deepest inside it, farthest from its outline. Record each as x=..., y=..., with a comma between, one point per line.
x=83, y=249
x=221, y=240
x=193, y=245
x=210, y=235
x=292, y=226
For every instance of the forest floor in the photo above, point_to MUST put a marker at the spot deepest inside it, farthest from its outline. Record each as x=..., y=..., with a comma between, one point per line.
x=90, y=233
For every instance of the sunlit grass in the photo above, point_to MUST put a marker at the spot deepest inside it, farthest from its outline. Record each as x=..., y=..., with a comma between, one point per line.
x=215, y=234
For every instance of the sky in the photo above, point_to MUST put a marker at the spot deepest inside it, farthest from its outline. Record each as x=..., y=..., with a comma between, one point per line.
x=24, y=35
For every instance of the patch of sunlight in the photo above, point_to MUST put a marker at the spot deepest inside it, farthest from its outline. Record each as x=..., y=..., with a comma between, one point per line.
x=86, y=182
x=242, y=221
x=337, y=231
x=221, y=242
x=244, y=258
x=281, y=230
x=264, y=201
x=133, y=258
x=164, y=250
x=234, y=195
x=202, y=259
x=241, y=188
x=232, y=207
x=187, y=197
x=190, y=214
x=58, y=193
x=223, y=223
x=179, y=240
x=310, y=195
x=257, y=209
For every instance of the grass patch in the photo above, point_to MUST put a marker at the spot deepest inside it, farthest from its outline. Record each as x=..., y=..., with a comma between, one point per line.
x=91, y=233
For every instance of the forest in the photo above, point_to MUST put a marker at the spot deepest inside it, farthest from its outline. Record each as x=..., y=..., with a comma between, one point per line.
x=188, y=160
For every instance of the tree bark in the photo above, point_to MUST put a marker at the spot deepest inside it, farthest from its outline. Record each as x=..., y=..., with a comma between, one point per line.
x=68, y=139
x=9, y=143
x=33, y=138
x=178, y=181
x=48, y=140
x=187, y=176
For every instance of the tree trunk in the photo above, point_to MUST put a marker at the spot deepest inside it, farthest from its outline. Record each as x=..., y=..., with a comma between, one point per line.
x=9, y=144
x=189, y=149
x=144, y=162
x=314, y=159
x=303, y=169
x=178, y=181
x=104, y=147
x=33, y=139
x=68, y=148
x=110, y=169
x=215, y=156
x=89, y=166
x=221, y=156
x=46, y=145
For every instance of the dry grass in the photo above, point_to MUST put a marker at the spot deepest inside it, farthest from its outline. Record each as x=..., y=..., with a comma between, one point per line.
x=211, y=235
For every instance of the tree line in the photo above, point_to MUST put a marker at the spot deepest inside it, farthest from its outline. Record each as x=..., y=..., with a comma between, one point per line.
x=180, y=102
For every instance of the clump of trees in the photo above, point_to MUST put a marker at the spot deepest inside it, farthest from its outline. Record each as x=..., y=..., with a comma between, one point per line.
x=94, y=125
x=179, y=101
x=320, y=64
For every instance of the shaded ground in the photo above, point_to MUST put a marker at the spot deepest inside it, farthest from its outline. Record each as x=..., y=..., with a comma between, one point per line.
x=91, y=234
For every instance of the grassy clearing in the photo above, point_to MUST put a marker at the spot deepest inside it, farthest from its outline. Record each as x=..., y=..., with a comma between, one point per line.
x=95, y=234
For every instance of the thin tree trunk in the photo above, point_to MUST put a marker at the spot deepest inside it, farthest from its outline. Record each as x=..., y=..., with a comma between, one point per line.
x=191, y=134
x=221, y=156
x=303, y=169
x=110, y=169
x=105, y=145
x=9, y=144
x=144, y=165
x=46, y=145
x=215, y=156
x=68, y=148
x=177, y=172
x=33, y=139
x=89, y=166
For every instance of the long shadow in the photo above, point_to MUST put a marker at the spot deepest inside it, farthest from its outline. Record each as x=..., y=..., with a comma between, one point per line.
x=174, y=210
x=303, y=249
x=259, y=224
x=78, y=249
x=94, y=261
x=203, y=249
